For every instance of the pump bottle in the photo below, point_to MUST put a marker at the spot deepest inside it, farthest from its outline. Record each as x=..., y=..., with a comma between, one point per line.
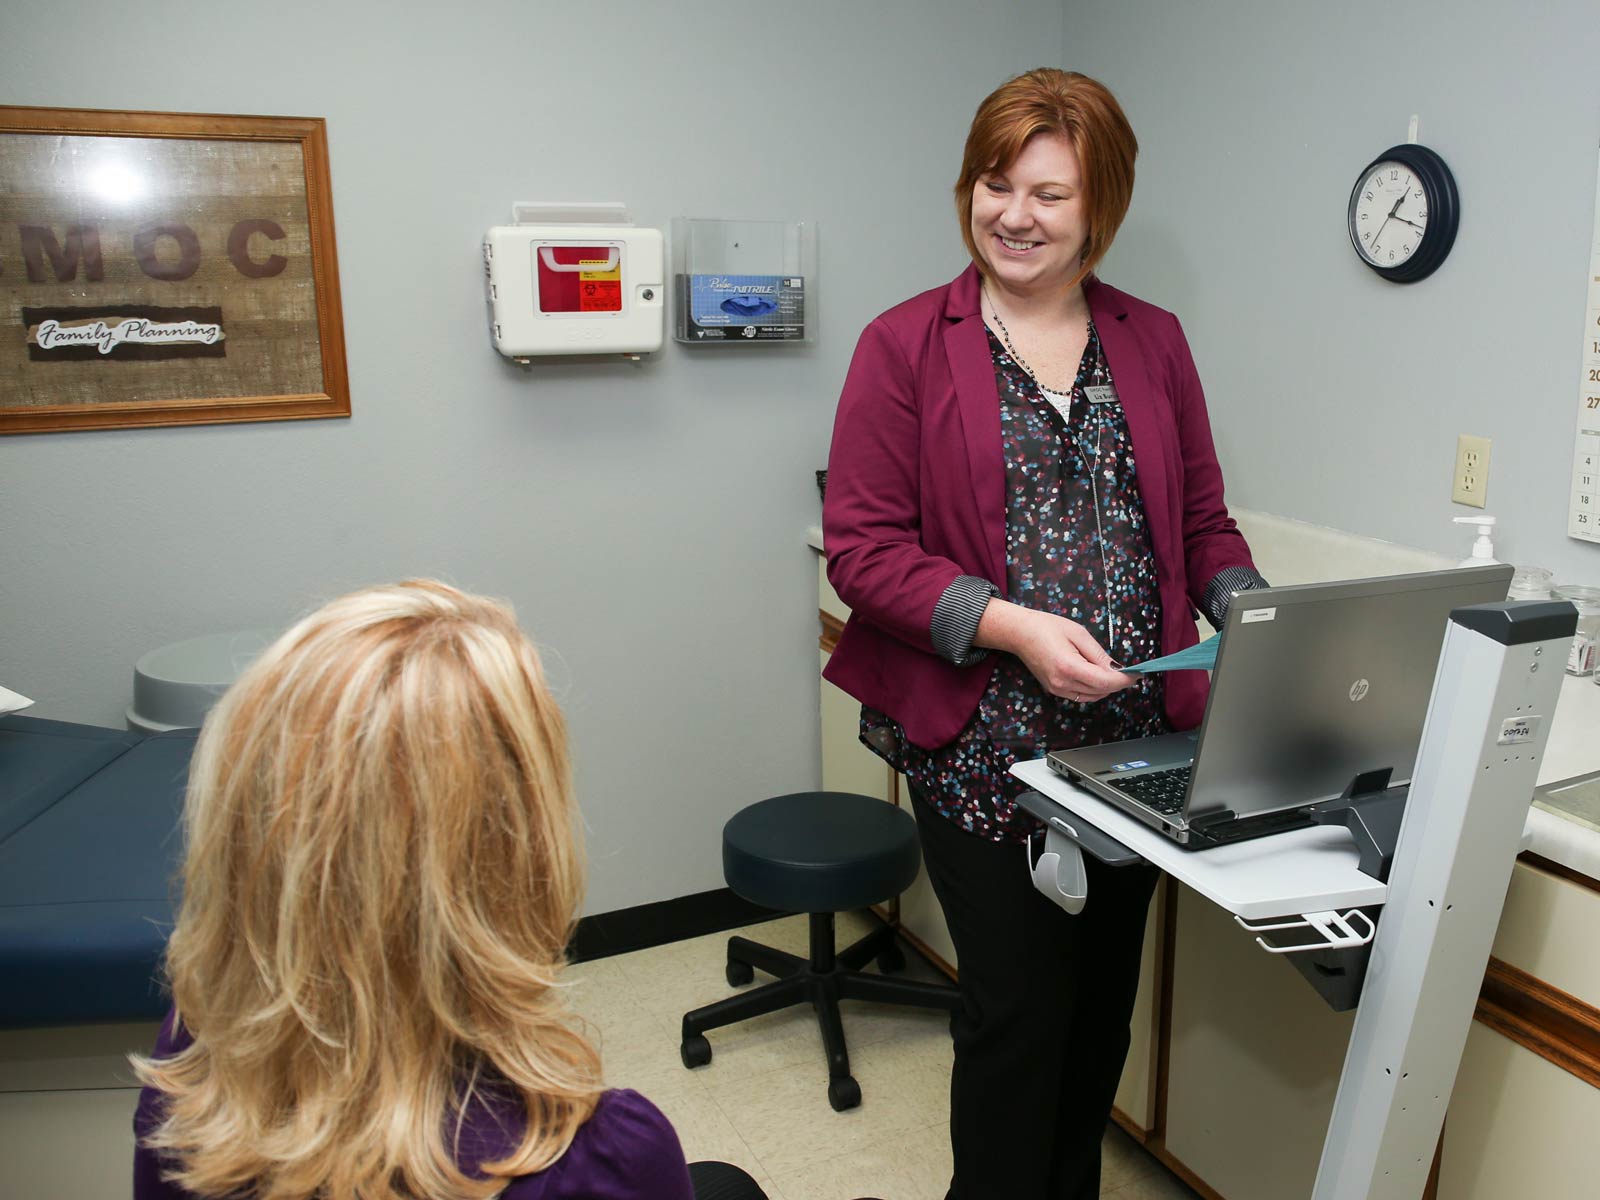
x=1482, y=549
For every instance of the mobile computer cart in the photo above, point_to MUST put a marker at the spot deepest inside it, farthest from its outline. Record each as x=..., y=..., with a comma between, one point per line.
x=1436, y=876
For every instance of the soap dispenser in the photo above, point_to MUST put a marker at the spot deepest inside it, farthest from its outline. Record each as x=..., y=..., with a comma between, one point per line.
x=1482, y=549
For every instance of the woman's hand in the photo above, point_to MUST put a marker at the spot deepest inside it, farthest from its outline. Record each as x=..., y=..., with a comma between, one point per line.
x=1061, y=654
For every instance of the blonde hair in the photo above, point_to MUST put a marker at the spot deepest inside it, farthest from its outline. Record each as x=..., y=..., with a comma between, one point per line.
x=383, y=871
x=1080, y=109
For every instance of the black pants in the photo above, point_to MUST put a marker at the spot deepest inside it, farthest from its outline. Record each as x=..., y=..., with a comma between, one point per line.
x=1043, y=1034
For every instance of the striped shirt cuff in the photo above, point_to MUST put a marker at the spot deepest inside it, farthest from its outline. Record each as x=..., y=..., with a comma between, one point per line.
x=1222, y=588
x=956, y=617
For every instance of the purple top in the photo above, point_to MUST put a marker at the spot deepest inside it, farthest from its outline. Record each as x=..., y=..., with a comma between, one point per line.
x=626, y=1151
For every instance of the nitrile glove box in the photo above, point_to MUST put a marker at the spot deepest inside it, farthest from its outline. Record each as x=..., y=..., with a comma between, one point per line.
x=743, y=281
x=743, y=306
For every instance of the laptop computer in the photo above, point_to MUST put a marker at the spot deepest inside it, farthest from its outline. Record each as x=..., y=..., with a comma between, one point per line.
x=1314, y=686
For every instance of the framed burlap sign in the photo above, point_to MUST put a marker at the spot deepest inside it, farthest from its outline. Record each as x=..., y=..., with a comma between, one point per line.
x=166, y=269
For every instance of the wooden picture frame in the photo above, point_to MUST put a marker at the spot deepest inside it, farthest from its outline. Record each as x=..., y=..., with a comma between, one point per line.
x=166, y=269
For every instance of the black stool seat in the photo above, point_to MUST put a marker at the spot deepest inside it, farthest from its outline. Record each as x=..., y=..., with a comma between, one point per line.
x=820, y=852
x=817, y=853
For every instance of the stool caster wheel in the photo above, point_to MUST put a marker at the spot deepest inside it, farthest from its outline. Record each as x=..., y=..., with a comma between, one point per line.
x=843, y=1093
x=739, y=973
x=695, y=1051
x=891, y=958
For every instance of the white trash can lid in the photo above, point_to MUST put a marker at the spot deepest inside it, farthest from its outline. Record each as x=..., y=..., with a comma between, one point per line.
x=174, y=687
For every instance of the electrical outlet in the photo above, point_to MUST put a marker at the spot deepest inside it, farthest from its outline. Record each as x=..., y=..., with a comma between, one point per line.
x=1471, y=482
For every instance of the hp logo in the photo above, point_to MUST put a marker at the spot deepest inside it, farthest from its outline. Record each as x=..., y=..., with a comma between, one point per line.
x=1359, y=690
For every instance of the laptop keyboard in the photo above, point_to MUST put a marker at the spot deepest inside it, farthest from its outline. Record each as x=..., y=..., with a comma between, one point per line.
x=1161, y=790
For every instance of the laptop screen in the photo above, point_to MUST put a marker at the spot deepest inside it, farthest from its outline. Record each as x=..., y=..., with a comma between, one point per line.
x=1317, y=683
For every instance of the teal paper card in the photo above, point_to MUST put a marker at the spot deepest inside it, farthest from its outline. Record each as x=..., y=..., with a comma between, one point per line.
x=1201, y=657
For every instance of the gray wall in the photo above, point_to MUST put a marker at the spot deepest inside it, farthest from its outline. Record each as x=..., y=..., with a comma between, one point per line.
x=1337, y=397
x=648, y=522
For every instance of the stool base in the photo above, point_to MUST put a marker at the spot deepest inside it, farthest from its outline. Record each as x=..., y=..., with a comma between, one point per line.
x=824, y=979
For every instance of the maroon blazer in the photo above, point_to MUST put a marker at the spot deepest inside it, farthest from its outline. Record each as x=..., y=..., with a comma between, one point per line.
x=916, y=495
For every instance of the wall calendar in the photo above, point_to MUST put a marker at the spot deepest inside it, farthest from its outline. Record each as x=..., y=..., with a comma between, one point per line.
x=1583, y=519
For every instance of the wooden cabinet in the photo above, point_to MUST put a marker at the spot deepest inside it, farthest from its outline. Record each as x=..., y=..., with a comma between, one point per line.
x=1254, y=1058
x=1526, y=1103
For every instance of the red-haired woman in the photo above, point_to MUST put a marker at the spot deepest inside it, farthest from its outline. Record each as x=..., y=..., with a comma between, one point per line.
x=1022, y=492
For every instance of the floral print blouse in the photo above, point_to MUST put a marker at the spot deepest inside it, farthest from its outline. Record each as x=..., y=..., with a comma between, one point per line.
x=1077, y=544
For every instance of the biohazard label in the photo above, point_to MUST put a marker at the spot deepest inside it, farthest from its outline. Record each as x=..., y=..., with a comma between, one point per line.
x=579, y=279
x=600, y=290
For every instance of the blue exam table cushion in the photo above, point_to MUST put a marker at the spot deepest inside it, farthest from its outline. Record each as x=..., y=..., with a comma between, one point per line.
x=87, y=888
x=41, y=761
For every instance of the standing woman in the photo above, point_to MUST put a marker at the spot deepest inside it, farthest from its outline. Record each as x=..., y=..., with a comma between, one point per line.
x=1023, y=492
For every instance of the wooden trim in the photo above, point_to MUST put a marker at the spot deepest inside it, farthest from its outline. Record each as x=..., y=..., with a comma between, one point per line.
x=1430, y=1190
x=1129, y=1126
x=310, y=134
x=1159, y=1151
x=832, y=627
x=107, y=122
x=325, y=270
x=57, y=418
x=1529, y=859
x=1554, y=1024
x=927, y=952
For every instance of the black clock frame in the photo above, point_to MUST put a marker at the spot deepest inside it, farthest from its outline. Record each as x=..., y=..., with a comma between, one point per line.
x=1444, y=212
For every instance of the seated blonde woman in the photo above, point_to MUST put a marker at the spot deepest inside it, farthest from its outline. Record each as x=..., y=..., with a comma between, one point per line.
x=383, y=871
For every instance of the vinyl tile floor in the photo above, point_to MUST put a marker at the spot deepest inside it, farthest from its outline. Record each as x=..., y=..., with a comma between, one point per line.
x=762, y=1103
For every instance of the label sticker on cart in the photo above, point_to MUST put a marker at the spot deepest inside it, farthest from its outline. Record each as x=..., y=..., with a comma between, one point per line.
x=1514, y=731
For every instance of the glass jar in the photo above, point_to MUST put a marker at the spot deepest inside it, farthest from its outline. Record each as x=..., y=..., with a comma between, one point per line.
x=1586, y=642
x=1530, y=583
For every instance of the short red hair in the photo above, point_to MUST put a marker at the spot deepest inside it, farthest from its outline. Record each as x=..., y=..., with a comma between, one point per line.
x=1082, y=110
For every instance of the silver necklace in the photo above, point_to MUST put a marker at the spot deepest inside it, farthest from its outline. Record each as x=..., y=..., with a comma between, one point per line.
x=1094, y=461
x=1005, y=337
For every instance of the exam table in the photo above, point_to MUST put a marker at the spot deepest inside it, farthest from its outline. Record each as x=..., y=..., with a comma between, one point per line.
x=89, y=849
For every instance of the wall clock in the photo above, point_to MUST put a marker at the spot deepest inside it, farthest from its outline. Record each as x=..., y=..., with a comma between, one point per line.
x=1404, y=210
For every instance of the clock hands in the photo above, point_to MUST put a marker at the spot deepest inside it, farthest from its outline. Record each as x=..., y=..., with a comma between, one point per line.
x=1381, y=228
x=1406, y=191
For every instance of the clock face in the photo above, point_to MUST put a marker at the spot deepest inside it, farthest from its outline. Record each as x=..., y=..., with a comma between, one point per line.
x=1388, y=214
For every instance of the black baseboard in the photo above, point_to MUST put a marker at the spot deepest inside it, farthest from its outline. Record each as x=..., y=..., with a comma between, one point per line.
x=628, y=929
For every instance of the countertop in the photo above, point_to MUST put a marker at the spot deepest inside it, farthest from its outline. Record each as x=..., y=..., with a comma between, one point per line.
x=1573, y=749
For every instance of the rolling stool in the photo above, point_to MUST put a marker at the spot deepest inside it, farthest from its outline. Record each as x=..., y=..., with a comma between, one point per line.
x=818, y=853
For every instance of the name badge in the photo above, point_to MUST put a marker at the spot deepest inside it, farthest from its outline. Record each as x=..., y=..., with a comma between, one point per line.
x=1101, y=393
